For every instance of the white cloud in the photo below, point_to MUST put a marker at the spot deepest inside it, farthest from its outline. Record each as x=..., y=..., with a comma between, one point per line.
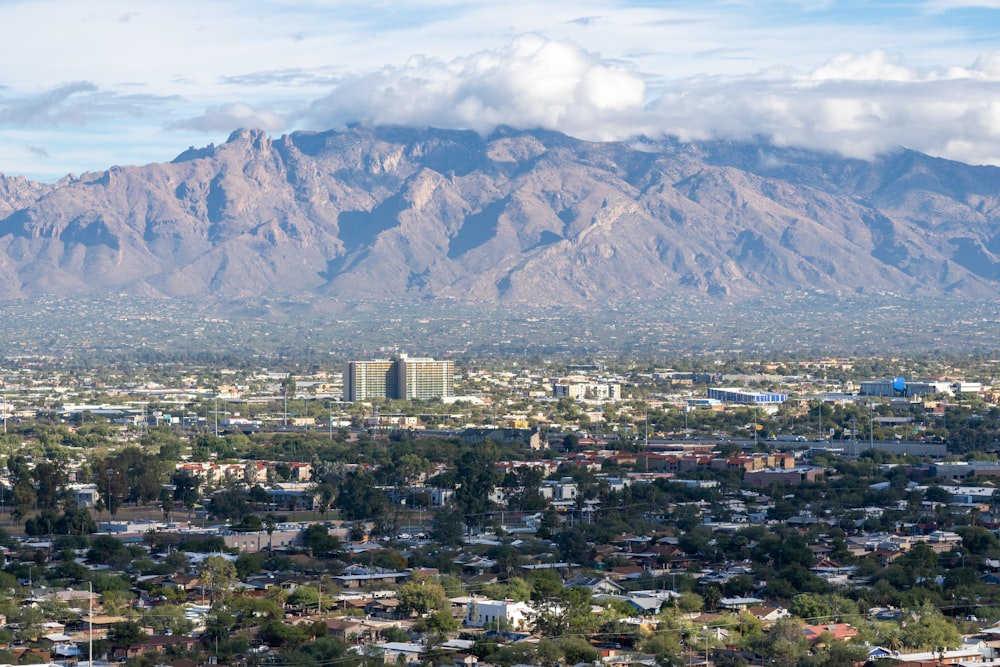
x=813, y=72
x=533, y=82
x=855, y=104
x=226, y=117
x=876, y=65
x=938, y=6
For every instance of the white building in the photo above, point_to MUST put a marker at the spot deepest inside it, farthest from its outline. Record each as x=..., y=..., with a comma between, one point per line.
x=578, y=391
x=84, y=495
x=486, y=613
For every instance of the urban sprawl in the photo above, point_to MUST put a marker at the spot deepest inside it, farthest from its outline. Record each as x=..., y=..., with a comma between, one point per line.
x=408, y=510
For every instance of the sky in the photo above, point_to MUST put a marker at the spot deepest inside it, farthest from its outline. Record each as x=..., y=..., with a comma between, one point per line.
x=85, y=85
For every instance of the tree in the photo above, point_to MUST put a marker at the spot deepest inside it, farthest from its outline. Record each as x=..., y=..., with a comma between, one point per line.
x=441, y=620
x=837, y=654
x=186, y=489
x=107, y=549
x=24, y=499
x=126, y=633
x=664, y=646
x=304, y=596
x=165, y=617
x=276, y=633
x=359, y=499
x=422, y=596
x=50, y=480
x=920, y=563
x=577, y=650
x=476, y=474
x=218, y=574
x=112, y=482
x=317, y=538
x=928, y=629
x=785, y=644
x=325, y=493
x=166, y=503
x=447, y=528
x=232, y=504
x=567, y=613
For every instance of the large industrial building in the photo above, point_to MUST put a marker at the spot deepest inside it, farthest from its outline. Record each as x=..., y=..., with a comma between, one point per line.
x=898, y=386
x=745, y=396
x=402, y=377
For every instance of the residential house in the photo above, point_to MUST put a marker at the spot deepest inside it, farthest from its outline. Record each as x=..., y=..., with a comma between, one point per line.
x=768, y=614
x=486, y=613
x=834, y=631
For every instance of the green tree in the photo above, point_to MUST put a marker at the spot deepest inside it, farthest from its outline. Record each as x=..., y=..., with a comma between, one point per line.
x=218, y=574
x=164, y=617
x=568, y=613
x=441, y=620
x=318, y=539
x=476, y=474
x=447, y=528
x=664, y=646
x=422, y=596
x=50, y=479
x=359, y=499
x=928, y=629
x=304, y=596
x=785, y=644
x=24, y=499
x=126, y=633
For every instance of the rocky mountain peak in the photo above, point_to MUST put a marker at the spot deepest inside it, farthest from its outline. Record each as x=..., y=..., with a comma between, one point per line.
x=516, y=217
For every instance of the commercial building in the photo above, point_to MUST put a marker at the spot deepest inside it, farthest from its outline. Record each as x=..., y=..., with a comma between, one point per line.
x=402, y=377
x=579, y=391
x=901, y=387
x=745, y=396
x=884, y=387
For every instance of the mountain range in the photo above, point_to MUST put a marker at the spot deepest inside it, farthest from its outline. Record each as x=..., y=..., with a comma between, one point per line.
x=517, y=217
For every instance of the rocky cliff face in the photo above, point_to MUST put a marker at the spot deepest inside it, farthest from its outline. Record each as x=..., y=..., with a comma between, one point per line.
x=515, y=218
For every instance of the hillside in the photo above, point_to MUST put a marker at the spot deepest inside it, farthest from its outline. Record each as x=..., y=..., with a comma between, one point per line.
x=515, y=218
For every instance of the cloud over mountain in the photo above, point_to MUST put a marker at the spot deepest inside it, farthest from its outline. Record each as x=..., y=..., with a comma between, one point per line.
x=532, y=82
x=105, y=83
x=856, y=104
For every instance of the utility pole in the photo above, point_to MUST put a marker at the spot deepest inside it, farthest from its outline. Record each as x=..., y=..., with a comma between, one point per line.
x=871, y=424
x=90, y=632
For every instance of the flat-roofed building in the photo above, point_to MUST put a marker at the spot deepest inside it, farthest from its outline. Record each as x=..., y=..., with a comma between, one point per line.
x=422, y=378
x=403, y=377
x=745, y=396
x=370, y=379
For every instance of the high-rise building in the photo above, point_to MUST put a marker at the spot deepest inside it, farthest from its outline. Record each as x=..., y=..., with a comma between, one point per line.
x=403, y=377
x=423, y=377
x=370, y=379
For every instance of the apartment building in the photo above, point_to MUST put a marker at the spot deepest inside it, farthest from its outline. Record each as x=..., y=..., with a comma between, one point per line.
x=402, y=377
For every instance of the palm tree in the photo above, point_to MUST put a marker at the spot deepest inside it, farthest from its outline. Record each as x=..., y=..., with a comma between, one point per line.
x=269, y=525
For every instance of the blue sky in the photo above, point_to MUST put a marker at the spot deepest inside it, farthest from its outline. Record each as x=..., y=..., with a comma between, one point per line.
x=86, y=85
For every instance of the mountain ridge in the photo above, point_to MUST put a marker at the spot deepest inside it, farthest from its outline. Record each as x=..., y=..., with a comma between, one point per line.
x=516, y=217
